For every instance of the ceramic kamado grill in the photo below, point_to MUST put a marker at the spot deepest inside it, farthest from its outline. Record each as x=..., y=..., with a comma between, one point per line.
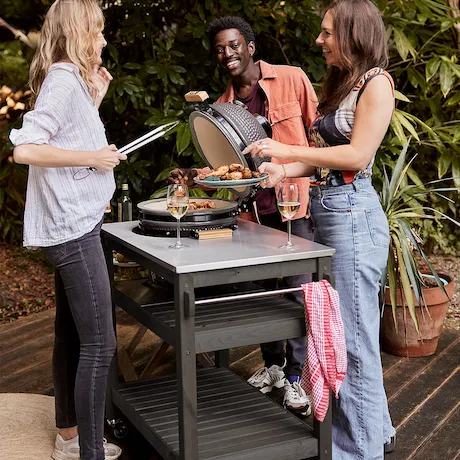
x=220, y=133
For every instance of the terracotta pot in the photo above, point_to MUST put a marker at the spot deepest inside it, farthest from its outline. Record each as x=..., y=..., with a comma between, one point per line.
x=403, y=339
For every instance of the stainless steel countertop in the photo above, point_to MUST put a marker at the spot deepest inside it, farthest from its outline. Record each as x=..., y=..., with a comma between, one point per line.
x=251, y=244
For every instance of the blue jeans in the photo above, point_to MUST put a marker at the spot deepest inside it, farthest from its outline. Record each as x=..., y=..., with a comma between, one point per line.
x=84, y=339
x=273, y=352
x=350, y=219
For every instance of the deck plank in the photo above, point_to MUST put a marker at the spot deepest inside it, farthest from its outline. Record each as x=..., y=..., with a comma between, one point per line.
x=429, y=416
x=405, y=369
x=413, y=392
x=445, y=440
x=17, y=334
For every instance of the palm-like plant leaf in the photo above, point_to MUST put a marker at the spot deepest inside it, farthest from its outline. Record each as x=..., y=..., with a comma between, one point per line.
x=391, y=280
x=397, y=174
x=405, y=284
x=405, y=205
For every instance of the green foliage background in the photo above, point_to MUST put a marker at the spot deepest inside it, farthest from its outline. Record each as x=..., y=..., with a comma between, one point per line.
x=158, y=53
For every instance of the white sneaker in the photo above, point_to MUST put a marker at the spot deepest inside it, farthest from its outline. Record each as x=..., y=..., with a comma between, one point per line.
x=268, y=378
x=112, y=451
x=66, y=450
x=296, y=400
x=70, y=450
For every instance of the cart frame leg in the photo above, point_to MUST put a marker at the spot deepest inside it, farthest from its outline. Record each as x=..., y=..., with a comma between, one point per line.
x=184, y=299
x=222, y=358
x=323, y=430
x=112, y=380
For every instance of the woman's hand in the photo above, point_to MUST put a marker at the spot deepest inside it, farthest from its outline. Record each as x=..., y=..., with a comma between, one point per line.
x=276, y=174
x=101, y=79
x=269, y=148
x=107, y=158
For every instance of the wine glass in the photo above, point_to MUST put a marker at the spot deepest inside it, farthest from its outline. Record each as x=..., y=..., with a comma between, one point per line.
x=177, y=203
x=288, y=201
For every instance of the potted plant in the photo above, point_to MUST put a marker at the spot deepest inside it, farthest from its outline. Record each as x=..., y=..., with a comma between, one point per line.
x=414, y=302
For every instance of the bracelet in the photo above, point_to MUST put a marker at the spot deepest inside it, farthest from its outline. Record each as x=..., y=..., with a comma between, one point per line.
x=285, y=173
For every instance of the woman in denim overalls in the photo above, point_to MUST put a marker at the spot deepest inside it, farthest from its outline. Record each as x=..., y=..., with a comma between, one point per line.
x=353, y=116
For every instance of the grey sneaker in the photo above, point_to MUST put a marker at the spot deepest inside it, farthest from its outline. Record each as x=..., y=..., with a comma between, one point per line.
x=268, y=378
x=70, y=450
x=296, y=400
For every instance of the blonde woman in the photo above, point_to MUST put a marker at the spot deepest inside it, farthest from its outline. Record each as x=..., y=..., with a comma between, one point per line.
x=70, y=182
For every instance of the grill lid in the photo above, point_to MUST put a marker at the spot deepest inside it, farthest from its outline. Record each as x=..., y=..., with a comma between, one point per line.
x=222, y=131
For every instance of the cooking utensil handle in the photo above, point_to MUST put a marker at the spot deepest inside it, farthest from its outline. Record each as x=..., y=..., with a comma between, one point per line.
x=126, y=151
x=150, y=136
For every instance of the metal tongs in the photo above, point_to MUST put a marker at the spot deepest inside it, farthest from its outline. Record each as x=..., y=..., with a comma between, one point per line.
x=156, y=133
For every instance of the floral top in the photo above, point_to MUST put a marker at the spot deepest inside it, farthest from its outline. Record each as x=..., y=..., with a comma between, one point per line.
x=336, y=128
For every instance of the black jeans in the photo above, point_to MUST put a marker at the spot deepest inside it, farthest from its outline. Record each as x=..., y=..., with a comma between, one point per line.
x=273, y=352
x=84, y=339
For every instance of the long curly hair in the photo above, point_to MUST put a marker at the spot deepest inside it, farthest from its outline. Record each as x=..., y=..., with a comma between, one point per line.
x=362, y=44
x=70, y=33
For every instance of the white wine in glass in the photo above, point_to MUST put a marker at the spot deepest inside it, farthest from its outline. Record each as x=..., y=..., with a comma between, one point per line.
x=288, y=201
x=177, y=203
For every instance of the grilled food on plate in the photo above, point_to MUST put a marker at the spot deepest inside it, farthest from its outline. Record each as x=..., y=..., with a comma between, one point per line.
x=235, y=171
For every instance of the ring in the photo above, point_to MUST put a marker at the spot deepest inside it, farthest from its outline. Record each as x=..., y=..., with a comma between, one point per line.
x=263, y=146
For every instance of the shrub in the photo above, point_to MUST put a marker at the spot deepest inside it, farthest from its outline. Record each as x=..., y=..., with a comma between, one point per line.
x=158, y=53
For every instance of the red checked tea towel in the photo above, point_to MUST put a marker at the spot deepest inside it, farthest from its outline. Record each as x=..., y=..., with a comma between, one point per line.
x=326, y=364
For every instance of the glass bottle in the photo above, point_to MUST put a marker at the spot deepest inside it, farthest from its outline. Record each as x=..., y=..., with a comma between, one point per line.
x=125, y=205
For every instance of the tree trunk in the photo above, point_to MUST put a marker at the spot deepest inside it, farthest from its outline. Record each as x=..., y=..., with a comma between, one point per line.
x=455, y=13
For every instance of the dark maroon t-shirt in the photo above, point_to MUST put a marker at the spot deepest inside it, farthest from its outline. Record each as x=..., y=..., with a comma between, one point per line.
x=255, y=102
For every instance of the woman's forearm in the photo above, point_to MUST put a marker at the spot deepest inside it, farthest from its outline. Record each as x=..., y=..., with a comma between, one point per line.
x=298, y=169
x=48, y=156
x=341, y=157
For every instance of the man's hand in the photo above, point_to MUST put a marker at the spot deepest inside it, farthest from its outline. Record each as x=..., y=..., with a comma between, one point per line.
x=186, y=176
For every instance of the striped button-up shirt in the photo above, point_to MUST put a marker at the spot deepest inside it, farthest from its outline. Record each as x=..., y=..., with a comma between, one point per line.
x=60, y=208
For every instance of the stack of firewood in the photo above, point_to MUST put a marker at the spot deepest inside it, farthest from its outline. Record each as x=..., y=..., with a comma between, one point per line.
x=12, y=106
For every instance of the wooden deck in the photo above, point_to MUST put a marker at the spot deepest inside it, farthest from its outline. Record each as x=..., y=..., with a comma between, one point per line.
x=424, y=393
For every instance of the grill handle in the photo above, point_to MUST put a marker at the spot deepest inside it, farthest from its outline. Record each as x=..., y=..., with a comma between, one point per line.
x=252, y=295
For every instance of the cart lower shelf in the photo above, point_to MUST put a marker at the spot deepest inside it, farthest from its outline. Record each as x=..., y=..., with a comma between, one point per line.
x=235, y=421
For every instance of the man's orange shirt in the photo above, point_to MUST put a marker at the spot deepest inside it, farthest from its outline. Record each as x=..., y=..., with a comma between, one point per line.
x=291, y=107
